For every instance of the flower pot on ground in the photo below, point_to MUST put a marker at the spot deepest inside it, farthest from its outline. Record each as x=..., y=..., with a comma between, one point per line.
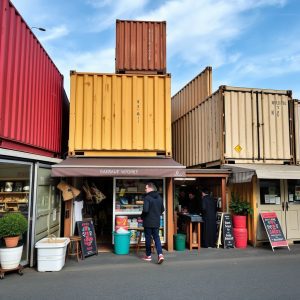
x=240, y=209
x=13, y=225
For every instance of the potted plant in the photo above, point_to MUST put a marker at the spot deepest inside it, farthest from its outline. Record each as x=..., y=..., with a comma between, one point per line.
x=12, y=226
x=240, y=209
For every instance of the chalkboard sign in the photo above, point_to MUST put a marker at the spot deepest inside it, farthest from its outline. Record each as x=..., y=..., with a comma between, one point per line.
x=224, y=224
x=273, y=229
x=88, y=238
x=228, y=240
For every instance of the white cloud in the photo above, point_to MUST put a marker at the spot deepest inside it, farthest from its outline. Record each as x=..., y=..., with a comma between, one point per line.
x=108, y=11
x=99, y=61
x=55, y=33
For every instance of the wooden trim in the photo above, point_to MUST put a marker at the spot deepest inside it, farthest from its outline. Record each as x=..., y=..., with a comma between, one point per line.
x=223, y=199
x=169, y=214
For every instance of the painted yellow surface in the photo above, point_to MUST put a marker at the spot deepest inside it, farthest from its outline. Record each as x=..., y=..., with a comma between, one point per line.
x=113, y=113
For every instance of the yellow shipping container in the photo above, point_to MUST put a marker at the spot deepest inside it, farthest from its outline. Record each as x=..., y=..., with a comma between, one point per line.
x=120, y=115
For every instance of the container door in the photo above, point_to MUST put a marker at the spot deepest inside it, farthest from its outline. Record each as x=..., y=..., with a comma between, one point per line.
x=291, y=208
x=47, y=208
x=273, y=113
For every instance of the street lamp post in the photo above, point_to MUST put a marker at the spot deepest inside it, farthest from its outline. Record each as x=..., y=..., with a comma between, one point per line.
x=38, y=28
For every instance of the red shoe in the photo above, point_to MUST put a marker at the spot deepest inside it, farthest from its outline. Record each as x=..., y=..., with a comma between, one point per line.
x=160, y=259
x=147, y=258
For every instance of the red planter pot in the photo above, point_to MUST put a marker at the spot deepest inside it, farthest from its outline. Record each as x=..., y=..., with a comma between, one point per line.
x=239, y=221
x=240, y=237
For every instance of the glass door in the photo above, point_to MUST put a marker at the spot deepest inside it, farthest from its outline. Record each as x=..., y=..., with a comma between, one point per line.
x=272, y=199
x=47, y=205
x=292, y=208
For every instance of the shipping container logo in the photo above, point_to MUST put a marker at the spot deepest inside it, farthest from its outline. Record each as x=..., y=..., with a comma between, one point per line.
x=238, y=148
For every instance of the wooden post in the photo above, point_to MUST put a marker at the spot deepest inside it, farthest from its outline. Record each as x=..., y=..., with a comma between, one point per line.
x=224, y=204
x=169, y=215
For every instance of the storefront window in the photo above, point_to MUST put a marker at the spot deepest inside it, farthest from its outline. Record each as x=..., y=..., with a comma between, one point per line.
x=270, y=192
x=15, y=193
x=294, y=191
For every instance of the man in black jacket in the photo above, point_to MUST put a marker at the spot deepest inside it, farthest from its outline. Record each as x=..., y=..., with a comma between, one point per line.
x=152, y=210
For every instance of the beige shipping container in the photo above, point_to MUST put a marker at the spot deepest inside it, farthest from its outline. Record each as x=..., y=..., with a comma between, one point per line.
x=296, y=104
x=120, y=115
x=196, y=91
x=235, y=125
x=140, y=47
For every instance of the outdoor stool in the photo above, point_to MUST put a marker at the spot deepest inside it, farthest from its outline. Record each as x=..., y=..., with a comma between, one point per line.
x=140, y=243
x=74, y=247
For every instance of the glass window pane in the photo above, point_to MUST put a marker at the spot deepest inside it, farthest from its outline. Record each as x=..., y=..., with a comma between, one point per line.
x=294, y=191
x=270, y=192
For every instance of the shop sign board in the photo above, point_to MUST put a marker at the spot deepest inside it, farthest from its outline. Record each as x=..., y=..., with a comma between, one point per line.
x=225, y=235
x=273, y=229
x=87, y=234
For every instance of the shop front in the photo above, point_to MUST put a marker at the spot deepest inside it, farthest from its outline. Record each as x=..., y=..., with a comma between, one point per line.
x=121, y=182
x=270, y=188
x=26, y=186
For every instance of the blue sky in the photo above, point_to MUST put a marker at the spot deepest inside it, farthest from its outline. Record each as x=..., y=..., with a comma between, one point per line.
x=248, y=43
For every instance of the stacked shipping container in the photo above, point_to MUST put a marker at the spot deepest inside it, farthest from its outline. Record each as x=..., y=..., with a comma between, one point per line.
x=239, y=125
x=120, y=115
x=140, y=47
x=31, y=89
x=193, y=93
x=125, y=114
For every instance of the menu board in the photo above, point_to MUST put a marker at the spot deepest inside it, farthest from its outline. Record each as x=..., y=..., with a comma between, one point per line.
x=88, y=238
x=224, y=224
x=273, y=229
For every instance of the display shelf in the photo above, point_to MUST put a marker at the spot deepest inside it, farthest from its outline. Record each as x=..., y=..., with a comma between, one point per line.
x=133, y=210
x=124, y=212
x=14, y=193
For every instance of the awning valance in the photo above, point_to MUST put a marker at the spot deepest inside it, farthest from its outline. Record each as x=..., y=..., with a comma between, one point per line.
x=244, y=172
x=118, y=167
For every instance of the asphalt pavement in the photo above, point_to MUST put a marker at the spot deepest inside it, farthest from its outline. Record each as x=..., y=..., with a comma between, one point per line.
x=251, y=273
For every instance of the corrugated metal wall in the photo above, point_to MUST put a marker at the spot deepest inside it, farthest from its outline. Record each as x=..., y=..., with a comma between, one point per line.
x=197, y=136
x=257, y=124
x=140, y=46
x=297, y=130
x=235, y=125
x=31, y=89
x=195, y=92
x=120, y=115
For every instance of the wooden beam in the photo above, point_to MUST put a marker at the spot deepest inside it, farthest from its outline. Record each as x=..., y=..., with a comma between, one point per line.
x=169, y=215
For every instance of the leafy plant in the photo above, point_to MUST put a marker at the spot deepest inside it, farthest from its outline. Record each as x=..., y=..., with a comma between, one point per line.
x=13, y=224
x=239, y=206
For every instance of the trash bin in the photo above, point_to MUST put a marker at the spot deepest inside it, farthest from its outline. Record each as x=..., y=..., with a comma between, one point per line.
x=122, y=242
x=179, y=241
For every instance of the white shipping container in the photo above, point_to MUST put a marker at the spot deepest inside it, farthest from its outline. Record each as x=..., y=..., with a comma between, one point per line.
x=297, y=130
x=235, y=125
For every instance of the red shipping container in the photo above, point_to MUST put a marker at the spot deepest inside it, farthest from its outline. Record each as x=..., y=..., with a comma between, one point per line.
x=31, y=89
x=141, y=47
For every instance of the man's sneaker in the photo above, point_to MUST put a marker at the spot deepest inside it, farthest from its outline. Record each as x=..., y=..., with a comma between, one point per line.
x=146, y=258
x=160, y=258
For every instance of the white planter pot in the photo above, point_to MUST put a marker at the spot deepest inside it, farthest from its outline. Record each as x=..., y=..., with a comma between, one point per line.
x=51, y=253
x=10, y=257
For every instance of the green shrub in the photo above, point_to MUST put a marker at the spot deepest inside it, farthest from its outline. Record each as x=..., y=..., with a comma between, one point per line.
x=13, y=224
x=240, y=207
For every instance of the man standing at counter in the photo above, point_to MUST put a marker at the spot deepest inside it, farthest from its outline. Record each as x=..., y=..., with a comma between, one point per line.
x=209, y=218
x=152, y=210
